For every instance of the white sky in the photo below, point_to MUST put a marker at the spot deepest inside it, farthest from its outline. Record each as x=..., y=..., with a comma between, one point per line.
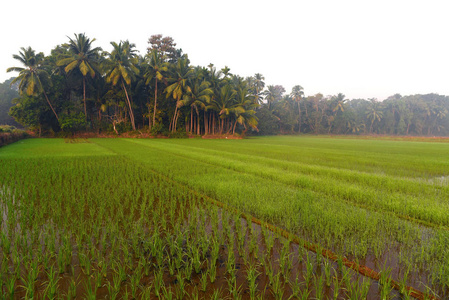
x=363, y=49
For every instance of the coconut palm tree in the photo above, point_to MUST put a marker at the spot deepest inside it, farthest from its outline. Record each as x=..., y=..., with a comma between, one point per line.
x=223, y=103
x=180, y=74
x=121, y=68
x=83, y=58
x=244, y=108
x=157, y=69
x=273, y=94
x=374, y=112
x=297, y=94
x=32, y=76
x=259, y=84
x=198, y=97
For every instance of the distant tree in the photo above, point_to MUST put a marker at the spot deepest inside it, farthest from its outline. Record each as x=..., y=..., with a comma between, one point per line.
x=7, y=94
x=165, y=47
x=297, y=94
x=273, y=94
x=268, y=123
x=374, y=112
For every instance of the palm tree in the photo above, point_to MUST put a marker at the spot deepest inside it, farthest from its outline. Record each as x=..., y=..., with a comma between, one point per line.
x=297, y=94
x=32, y=75
x=83, y=58
x=223, y=103
x=244, y=108
x=157, y=69
x=339, y=102
x=374, y=112
x=121, y=68
x=259, y=84
x=180, y=75
x=270, y=95
x=198, y=97
x=273, y=94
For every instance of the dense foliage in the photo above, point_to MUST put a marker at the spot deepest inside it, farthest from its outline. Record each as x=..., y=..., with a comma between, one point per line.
x=122, y=90
x=7, y=94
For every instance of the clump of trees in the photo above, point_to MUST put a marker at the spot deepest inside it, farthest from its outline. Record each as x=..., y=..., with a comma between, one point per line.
x=396, y=115
x=80, y=87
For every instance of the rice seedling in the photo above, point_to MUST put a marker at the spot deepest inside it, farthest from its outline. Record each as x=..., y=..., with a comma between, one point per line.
x=251, y=276
x=212, y=270
x=204, y=280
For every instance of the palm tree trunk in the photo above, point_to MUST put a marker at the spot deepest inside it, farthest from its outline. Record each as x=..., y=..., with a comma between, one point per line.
x=191, y=119
x=155, y=104
x=131, y=114
x=205, y=124
x=198, y=123
x=149, y=117
x=299, y=117
x=172, y=124
x=176, y=121
x=48, y=101
x=84, y=98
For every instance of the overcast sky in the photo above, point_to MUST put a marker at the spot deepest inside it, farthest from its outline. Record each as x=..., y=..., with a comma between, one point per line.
x=363, y=49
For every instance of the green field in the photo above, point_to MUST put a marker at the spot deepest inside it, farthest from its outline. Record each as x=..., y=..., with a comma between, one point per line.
x=380, y=203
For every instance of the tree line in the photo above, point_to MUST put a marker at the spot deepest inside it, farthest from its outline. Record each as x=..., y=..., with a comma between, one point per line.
x=79, y=87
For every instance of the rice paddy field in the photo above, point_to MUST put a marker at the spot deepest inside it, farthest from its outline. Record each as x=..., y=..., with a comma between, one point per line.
x=259, y=218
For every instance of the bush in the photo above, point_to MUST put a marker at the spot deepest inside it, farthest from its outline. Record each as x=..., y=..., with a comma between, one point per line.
x=7, y=129
x=268, y=123
x=72, y=123
x=178, y=135
x=9, y=134
x=157, y=129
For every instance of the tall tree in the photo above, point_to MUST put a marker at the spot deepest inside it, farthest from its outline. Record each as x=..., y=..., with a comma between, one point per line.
x=259, y=85
x=198, y=97
x=164, y=46
x=244, y=108
x=223, y=103
x=121, y=69
x=157, y=69
x=83, y=58
x=179, y=76
x=297, y=94
x=273, y=94
x=374, y=112
x=32, y=76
